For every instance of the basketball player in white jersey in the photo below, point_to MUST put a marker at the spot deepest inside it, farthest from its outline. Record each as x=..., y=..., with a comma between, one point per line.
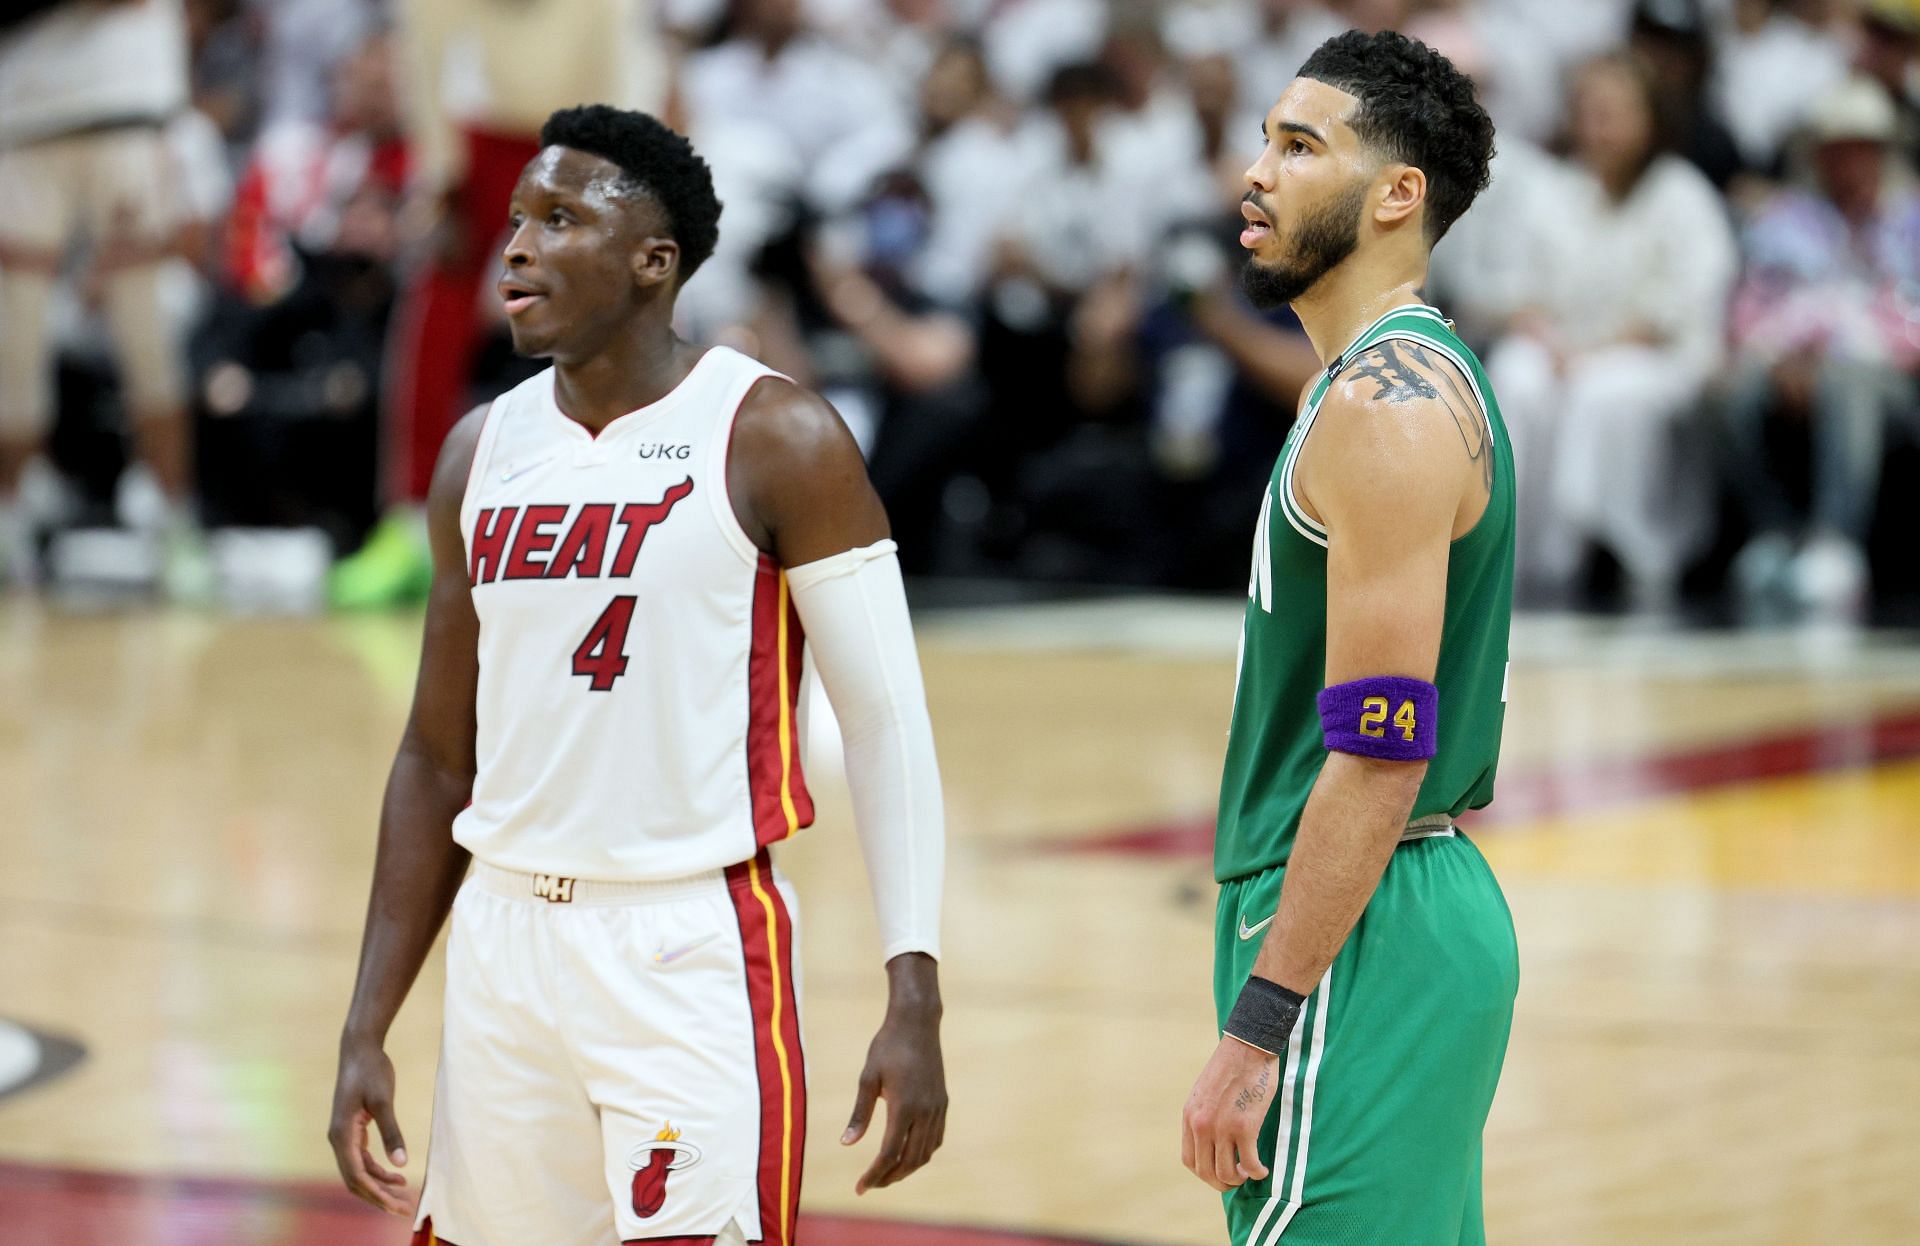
x=629, y=550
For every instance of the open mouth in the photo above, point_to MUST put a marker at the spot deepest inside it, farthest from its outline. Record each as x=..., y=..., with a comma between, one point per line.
x=1258, y=227
x=516, y=298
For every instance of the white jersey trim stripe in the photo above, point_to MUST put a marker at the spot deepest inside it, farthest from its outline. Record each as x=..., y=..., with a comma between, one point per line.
x=1298, y=1179
x=1297, y=518
x=1283, y=1148
x=717, y=493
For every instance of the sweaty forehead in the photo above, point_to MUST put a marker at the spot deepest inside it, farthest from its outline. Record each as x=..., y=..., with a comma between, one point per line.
x=593, y=180
x=1324, y=109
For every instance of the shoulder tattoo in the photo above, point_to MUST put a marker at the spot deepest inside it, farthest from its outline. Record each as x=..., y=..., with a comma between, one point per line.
x=1405, y=371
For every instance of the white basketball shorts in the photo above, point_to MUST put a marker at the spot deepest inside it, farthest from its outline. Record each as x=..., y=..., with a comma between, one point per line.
x=620, y=1063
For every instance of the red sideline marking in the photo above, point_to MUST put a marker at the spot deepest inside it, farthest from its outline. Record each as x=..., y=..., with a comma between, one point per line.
x=1605, y=783
x=77, y=1207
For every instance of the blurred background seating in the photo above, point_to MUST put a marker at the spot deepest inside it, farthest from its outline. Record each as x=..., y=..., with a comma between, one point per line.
x=246, y=283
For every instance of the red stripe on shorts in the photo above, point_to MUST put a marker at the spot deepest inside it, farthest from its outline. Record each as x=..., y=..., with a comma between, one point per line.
x=766, y=938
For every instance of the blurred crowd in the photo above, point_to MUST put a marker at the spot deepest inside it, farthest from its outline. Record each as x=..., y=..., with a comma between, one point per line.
x=247, y=249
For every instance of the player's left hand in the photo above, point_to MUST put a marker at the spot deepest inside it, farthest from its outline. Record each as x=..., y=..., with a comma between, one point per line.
x=904, y=1067
x=1220, y=1128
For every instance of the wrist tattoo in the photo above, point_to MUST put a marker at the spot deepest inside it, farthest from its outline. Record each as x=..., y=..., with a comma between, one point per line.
x=1254, y=1094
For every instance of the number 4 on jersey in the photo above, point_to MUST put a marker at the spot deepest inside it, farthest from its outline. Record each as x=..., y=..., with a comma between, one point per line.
x=602, y=656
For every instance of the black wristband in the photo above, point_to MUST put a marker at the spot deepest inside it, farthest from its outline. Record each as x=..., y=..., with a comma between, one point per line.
x=1264, y=1015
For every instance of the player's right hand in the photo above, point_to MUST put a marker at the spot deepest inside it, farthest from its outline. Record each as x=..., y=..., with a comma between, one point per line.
x=363, y=1094
x=1220, y=1127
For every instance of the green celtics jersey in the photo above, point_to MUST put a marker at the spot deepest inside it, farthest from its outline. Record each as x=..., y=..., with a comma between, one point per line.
x=1275, y=748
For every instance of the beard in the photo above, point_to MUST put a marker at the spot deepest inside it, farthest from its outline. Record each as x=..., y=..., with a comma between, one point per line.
x=1324, y=237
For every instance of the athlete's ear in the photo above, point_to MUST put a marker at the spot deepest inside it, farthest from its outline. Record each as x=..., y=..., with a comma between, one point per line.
x=656, y=260
x=1403, y=188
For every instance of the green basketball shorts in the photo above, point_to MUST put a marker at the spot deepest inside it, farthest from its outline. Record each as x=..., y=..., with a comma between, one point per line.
x=1374, y=1138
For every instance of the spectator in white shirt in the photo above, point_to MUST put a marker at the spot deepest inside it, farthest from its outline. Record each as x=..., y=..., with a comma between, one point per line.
x=1153, y=135
x=1283, y=33
x=899, y=38
x=1488, y=270
x=1775, y=59
x=87, y=94
x=841, y=116
x=1623, y=334
x=969, y=165
x=1027, y=40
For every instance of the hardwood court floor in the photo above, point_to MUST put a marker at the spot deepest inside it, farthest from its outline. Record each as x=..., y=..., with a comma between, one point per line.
x=1711, y=845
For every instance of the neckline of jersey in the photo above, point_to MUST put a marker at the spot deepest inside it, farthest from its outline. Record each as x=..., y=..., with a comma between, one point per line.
x=639, y=417
x=1340, y=360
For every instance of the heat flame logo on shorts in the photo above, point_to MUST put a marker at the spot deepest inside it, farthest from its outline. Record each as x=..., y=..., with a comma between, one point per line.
x=652, y=1161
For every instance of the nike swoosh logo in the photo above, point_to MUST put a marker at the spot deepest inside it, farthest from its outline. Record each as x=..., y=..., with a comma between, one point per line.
x=512, y=472
x=664, y=957
x=1247, y=932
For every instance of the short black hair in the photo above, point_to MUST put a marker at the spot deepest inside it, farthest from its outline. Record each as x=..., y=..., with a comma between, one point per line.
x=1416, y=108
x=654, y=158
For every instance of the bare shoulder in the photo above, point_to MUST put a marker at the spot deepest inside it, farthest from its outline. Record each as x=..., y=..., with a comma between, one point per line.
x=455, y=463
x=782, y=422
x=798, y=481
x=1409, y=412
x=451, y=471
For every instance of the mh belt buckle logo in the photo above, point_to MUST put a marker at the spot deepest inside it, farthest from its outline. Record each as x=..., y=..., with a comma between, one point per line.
x=553, y=889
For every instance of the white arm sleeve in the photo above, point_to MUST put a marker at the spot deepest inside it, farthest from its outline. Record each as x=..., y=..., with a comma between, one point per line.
x=853, y=607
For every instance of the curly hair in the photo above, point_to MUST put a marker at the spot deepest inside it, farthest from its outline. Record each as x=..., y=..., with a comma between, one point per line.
x=654, y=159
x=1416, y=108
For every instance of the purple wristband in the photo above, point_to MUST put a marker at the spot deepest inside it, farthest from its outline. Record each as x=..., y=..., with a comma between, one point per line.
x=1389, y=717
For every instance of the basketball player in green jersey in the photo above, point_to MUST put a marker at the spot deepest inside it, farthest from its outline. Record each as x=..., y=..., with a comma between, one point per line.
x=1366, y=966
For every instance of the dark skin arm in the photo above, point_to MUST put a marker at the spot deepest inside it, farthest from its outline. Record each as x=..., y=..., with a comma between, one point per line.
x=800, y=491
x=418, y=867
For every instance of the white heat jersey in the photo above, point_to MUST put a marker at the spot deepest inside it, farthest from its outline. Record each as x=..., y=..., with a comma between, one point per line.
x=640, y=659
